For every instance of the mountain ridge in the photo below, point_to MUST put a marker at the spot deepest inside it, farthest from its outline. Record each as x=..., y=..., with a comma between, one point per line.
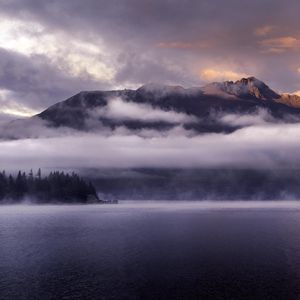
x=244, y=96
x=250, y=86
x=163, y=107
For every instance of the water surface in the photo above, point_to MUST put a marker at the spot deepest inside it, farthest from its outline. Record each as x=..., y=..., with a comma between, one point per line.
x=159, y=250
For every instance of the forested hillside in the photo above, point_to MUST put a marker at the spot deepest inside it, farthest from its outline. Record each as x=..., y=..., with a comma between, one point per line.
x=52, y=188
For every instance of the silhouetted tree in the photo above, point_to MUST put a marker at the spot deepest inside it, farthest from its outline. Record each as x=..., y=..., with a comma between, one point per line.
x=56, y=187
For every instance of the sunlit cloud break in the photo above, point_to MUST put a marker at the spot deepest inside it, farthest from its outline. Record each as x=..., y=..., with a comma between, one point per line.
x=101, y=47
x=211, y=74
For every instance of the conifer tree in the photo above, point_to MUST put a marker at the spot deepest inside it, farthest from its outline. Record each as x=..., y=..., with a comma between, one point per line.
x=56, y=187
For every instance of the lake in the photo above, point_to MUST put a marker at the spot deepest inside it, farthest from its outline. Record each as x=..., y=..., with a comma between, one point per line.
x=151, y=250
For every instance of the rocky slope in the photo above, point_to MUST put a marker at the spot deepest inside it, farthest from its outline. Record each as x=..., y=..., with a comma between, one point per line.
x=216, y=107
x=201, y=106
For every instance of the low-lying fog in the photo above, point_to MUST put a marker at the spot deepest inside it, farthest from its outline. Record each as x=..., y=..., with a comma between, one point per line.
x=267, y=145
x=154, y=205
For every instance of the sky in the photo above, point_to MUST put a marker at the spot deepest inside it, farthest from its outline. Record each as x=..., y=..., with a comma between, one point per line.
x=51, y=50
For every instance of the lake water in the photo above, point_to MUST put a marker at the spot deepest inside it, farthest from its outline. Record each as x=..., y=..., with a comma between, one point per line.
x=151, y=251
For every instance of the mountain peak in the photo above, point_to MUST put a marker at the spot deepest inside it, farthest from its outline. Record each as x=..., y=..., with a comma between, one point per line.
x=249, y=87
x=250, y=80
x=159, y=107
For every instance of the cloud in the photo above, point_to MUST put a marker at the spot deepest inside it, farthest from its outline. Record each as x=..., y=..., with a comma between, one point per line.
x=259, y=146
x=75, y=57
x=17, y=110
x=297, y=93
x=261, y=142
x=260, y=117
x=118, y=109
x=280, y=44
x=10, y=107
x=35, y=81
x=144, y=67
x=183, y=45
x=263, y=30
x=117, y=44
x=211, y=74
x=4, y=118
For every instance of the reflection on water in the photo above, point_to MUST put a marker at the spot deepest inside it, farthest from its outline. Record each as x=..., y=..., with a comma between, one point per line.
x=160, y=250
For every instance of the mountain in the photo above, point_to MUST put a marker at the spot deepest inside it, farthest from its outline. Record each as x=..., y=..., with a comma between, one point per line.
x=202, y=106
x=162, y=107
x=290, y=100
x=246, y=88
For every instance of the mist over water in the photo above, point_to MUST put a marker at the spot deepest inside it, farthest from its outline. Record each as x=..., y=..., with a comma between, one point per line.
x=257, y=144
x=151, y=250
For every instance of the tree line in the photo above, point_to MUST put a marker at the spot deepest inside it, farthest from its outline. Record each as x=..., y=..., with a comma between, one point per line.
x=52, y=188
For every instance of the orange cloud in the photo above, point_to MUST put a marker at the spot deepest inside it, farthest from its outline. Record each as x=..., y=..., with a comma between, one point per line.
x=298, y=70
x=279, y=45
x=210, y=74
x=183, y=45
x=264, y=30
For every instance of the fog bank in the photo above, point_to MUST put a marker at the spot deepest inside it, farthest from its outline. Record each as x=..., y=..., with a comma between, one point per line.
x=267, y=145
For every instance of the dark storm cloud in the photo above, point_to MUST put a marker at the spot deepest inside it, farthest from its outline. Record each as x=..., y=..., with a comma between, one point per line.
x=137, y=67
x=170, y=41
x=35, y=81
x=148, y=19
